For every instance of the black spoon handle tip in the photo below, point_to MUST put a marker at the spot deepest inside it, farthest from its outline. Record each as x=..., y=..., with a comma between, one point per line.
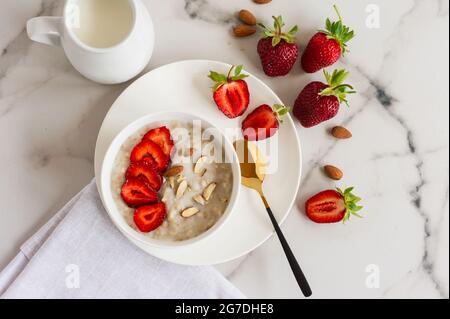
x=298, y=273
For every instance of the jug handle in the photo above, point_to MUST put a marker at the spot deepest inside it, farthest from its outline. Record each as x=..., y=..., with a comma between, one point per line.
x=45, y=30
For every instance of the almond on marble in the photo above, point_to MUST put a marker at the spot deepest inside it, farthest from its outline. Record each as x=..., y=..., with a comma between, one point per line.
x=244, y=30
x=247, y=17
x=341, y=132
x=333, y=172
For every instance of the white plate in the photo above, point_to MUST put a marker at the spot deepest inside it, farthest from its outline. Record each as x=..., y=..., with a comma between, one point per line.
x=184, y=87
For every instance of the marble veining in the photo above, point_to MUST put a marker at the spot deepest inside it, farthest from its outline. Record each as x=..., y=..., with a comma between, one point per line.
x=397, y=159
x=205, y=11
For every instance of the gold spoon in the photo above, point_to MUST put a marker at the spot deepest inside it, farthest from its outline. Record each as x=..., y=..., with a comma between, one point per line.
x=252, y=176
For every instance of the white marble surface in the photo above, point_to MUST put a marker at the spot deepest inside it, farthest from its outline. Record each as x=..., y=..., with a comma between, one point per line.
x=398, y=159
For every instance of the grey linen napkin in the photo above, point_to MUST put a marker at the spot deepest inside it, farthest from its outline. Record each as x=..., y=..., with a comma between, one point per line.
x=80, y=254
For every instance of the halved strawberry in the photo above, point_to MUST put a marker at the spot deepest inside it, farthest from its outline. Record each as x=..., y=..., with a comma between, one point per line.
x=146, y=172
x=151, y=153
x=161, y=136
x=150, y=217
x=331, y=206
x=231, y=92
x=136, y=192
x=263, y=122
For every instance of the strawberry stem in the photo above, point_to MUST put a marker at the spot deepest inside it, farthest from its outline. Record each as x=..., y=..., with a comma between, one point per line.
x=342, y=86
x=279, y=111
x=229, y=73
x=337, y=12
x=277, y=26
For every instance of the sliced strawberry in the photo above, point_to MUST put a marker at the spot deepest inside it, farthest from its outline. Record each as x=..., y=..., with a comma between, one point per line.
x=146, y=172
x=151, y=153
x=262, y=122
x=161, y=136
x=136, y=192
x=331, y=206
x=231, y=92
x=150, y=217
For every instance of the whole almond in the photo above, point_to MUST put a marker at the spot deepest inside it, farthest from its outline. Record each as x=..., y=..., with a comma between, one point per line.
x=174, y=171
x=340, y=132
x=261, y=1
x=247, y=17
x=243, y=30
x=333, y=172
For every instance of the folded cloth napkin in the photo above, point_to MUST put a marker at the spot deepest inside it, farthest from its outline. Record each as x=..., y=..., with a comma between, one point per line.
x=80, y=254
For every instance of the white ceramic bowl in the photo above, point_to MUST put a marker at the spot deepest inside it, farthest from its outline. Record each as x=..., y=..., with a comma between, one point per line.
x=107, y=166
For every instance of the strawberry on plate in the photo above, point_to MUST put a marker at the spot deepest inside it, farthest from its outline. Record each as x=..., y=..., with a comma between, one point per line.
x=149, y=217
x=326, y=46
x=230, y=92
x=263, y=122
x=332, y=206
x=319, y=102
x=161, y=137
x=151, y=153
x=277, y=50
x=136, y=192
x=146, y=172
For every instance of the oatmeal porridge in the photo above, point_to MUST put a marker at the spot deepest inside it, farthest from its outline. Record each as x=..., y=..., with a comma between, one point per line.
x=196, y=186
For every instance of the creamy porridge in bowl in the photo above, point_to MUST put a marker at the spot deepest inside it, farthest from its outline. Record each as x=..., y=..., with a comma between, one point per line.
x=170, y=179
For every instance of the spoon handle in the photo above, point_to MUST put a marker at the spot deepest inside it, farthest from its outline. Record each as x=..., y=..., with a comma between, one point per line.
x=298, y=273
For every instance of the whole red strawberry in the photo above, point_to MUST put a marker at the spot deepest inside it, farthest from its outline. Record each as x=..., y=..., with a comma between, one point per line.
x=332, y=206
x=326, y=46
x=319, y=102
x=277, y=50
x=263, y=122
x=230, y=92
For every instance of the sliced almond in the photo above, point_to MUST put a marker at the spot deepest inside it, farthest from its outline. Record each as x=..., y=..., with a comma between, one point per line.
x=333, y=172
x=244, y=30
x=199, y=199
x=172, y=182
x=198, y=168
x=165, y=195
x=174, y=171
x=262, y=1
x=209, y=190
x=181, y=189
x=188, y=212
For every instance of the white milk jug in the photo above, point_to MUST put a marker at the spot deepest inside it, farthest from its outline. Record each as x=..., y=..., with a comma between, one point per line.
x=107, y=41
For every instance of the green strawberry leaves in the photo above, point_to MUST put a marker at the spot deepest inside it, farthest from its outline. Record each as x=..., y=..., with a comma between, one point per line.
x=336, y=87
x=276, y=34
x=221, y=79
x=338, y=31
x=350, y=201
x=280, y=111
